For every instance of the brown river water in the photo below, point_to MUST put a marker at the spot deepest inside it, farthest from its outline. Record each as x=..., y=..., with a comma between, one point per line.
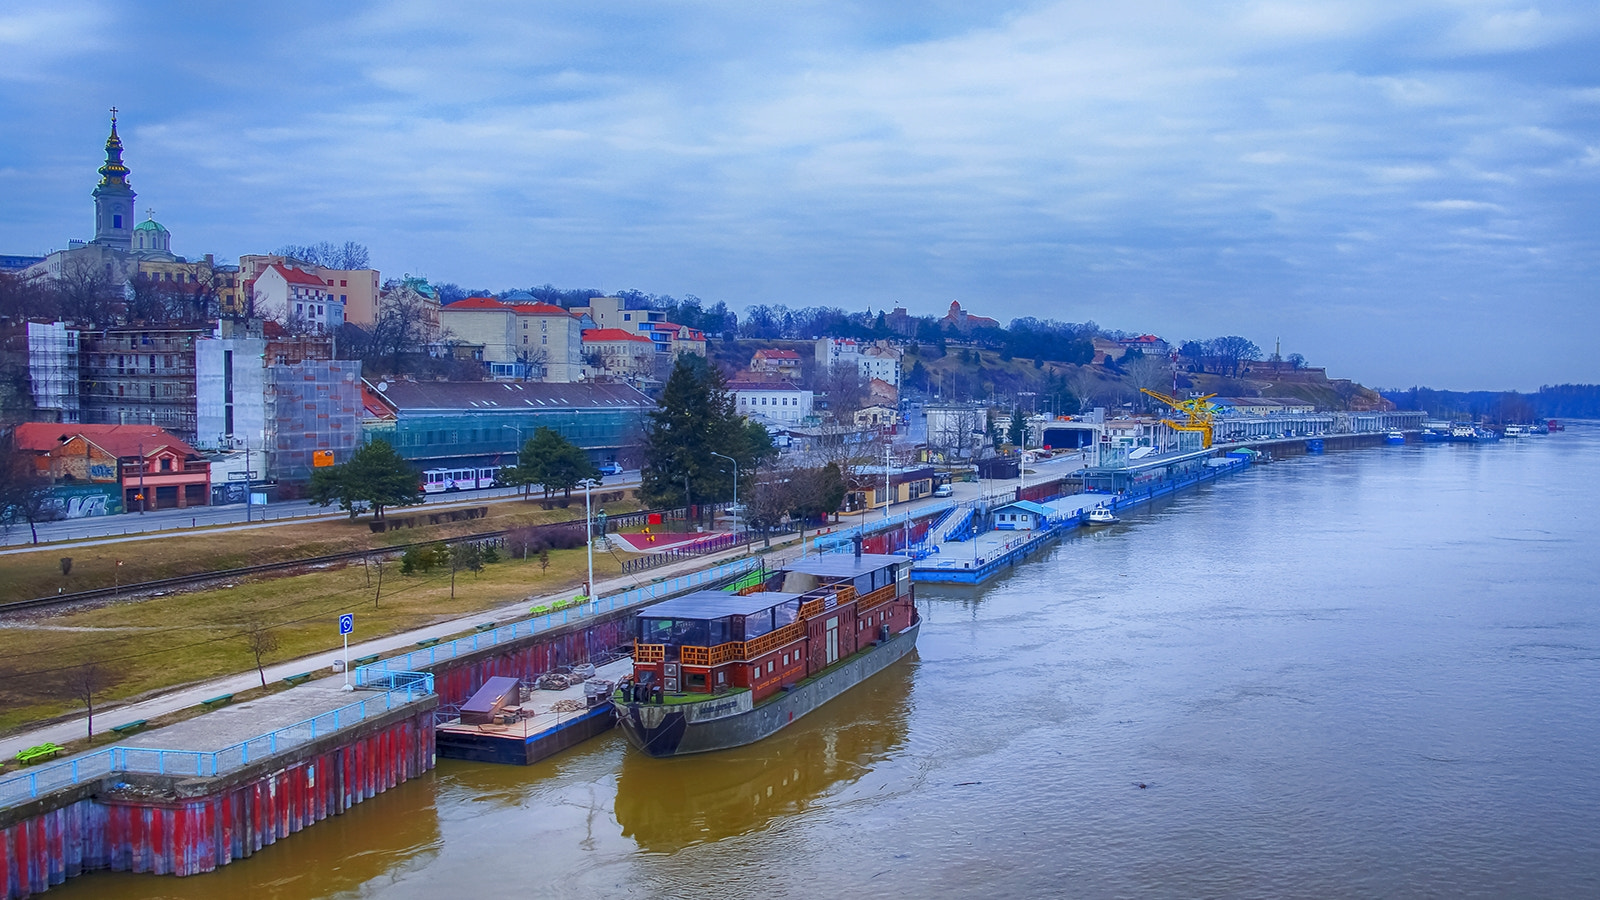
x=1365, y=674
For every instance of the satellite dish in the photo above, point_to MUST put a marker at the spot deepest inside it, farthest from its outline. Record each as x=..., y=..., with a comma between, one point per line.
x=383, y=385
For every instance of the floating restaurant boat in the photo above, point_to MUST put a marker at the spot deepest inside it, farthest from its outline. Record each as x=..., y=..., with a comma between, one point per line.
x=1516, y=431
x=713, y=670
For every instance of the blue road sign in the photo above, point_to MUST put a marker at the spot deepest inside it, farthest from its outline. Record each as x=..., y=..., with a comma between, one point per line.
x=347, y=623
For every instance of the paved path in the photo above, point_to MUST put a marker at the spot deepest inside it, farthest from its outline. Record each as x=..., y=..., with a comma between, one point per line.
x=184, y=697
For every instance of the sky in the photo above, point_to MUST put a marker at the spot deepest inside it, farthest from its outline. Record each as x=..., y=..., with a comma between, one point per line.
x=1405, y=193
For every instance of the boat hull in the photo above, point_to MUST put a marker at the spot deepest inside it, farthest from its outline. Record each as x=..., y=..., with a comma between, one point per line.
x=672, y=730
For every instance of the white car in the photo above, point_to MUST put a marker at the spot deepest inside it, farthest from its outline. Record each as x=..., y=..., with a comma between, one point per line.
x=611, y=468
x=943, y=490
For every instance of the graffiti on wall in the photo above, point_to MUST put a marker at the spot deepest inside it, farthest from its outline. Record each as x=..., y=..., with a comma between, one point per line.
x=80, y=501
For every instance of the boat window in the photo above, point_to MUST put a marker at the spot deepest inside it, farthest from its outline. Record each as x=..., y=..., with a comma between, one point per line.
x=757, y=624
x=785, y=613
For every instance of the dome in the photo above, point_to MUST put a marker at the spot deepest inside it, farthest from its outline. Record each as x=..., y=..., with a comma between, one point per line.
x=150, y=225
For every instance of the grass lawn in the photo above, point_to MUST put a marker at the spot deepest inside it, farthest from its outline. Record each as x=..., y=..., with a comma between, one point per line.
x=163, y=642
x=38, y=573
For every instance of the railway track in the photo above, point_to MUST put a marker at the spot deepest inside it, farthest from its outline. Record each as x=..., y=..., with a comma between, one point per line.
x=177, y=581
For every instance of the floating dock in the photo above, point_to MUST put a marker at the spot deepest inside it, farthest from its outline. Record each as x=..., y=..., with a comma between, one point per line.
x=528, y=731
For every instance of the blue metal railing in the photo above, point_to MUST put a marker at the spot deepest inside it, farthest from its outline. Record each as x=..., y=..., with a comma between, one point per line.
x=152, y=761
x=376, y=673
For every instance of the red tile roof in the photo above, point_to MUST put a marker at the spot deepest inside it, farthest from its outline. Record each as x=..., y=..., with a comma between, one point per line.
x=476, y=303
x=613, y=334
x=777, y=354
x=539, y=309
x=295, y=276
x=117, y=440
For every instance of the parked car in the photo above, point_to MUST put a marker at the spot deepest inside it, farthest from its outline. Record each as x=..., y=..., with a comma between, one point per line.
x=943, y=490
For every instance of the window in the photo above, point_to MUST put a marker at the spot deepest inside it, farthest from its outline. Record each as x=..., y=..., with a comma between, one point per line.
x=626, y=317
x=343, y=283
x=116, y=221
x=769, y=667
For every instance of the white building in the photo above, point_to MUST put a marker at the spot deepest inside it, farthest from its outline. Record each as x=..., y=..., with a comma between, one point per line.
x=298, y=297
x=537, y=341
x=778, y=402
x=873, y=360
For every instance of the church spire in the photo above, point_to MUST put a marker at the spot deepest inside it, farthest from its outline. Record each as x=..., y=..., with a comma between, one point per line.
x=114, y=173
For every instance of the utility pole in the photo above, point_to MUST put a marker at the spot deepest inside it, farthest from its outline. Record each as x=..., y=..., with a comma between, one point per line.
x=888, y=491
x=738, y=512
x=142, y=502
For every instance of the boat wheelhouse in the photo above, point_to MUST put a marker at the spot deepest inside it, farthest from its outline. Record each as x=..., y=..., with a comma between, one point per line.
x=715, y=669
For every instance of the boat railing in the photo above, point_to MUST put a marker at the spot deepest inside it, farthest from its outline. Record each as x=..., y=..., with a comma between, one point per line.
x=774, y=639
x=876, y=598
x=649, y=653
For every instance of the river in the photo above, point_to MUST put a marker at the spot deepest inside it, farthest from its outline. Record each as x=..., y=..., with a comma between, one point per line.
x=1365, y=674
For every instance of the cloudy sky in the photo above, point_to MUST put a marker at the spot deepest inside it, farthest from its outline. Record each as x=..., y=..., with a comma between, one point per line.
x=1404, y=192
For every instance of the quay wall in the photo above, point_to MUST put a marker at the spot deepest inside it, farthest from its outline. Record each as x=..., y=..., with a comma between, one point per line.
x=168, y=825
x=456, y=680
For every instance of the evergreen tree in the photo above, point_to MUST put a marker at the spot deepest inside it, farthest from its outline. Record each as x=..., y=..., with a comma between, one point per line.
x=375, y=475
x=551, y=461
x=695, y=418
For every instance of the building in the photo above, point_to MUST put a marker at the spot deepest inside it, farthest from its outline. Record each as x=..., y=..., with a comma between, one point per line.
x=357, y=289
x=314, y=413
x=962, y=321
x=482, y=423
x=39, y=372
x=120, y=245
x=671, y=340
x=873, y=360
x=620, y=354
x=955, y=431
x=135, y=375
x=877, y=417
x=299, y=298
x=1022, y=515
x=770, y=364
x=774, y=402
x=537, y=341
x=1262, y=406
x=903, y=484
x=128, y=467
x=1147, y=344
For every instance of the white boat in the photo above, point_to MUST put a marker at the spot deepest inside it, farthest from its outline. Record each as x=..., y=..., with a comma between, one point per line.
x=1515, y=431
x=1397, y=437
x=1101, y=516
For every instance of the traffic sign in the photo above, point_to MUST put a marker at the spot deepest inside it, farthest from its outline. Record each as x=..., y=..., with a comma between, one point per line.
x=347, y=623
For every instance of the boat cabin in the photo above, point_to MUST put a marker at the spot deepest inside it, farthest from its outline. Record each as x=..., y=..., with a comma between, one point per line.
x=791, y=625
x=1022, y=515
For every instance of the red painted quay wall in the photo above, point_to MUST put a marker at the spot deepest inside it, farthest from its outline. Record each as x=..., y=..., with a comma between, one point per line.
x=456, y=681
x=171, y=835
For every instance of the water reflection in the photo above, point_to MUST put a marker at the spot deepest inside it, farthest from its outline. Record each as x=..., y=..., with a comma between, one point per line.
x=669, y=804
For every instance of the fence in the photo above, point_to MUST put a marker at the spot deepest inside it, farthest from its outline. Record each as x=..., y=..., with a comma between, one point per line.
x=407, y=687
x=375, y=673
x=699, y=548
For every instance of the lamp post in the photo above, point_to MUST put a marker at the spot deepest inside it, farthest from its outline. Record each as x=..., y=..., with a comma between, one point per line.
x=142, y=503
x=888, y=491
x=735, y=476
x=518, y=430
x=588, y=533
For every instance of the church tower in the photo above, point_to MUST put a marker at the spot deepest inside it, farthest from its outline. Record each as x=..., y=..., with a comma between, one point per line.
x=113, y=197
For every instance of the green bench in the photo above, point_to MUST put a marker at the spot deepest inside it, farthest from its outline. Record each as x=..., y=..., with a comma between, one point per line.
x=129, y=727
x=429, y=642
x=219, y=700
x=484, y=626
x=540, y=610
x=302, y=678
x=39, y=754
x=366, y=660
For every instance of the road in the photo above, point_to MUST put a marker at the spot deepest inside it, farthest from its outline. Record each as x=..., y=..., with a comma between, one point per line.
x=191, y=695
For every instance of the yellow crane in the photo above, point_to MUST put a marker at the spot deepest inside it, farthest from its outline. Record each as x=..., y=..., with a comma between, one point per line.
x=1200, y=412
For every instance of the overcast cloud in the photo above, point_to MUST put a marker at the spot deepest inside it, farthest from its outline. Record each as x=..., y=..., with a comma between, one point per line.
x=1403, y=192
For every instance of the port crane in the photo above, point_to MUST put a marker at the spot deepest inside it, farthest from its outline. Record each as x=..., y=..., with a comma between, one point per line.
x=1200, y=413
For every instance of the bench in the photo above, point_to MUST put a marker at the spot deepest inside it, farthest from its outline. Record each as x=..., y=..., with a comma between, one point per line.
x=214, y=702
x=366, y=660
x=429, y=642
x=39, y=753
x=129, y=727
x=541, y=610
x=484, y=626
x=302, y=678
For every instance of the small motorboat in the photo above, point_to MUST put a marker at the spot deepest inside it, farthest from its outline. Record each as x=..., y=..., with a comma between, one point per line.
x=1397, y=437
x=1101, y=516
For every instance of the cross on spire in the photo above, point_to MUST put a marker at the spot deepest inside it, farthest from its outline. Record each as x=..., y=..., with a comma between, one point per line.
x=113, y=116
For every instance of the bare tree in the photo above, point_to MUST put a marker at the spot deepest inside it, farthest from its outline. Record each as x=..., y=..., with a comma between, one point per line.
x=405, y=323
x=1085, y=385
x=261, y=641
x=25, y=493
x=349, y=255
x=845, y=388
x=88, y=680
x=88, y=294
x=1148, y=372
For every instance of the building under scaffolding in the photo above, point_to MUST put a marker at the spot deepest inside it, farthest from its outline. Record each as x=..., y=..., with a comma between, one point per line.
x=313, y=416
x=139, y=376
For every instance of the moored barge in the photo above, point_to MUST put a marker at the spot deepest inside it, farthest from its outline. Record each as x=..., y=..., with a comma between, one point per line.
x=713, y=670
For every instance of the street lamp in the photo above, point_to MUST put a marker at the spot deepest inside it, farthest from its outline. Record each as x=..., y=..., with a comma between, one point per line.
x=588, y=533
x=737, y=511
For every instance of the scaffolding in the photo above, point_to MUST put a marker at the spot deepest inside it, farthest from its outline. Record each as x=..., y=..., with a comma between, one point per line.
x=139, y=376
x=53, y=371
x=313, y=407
